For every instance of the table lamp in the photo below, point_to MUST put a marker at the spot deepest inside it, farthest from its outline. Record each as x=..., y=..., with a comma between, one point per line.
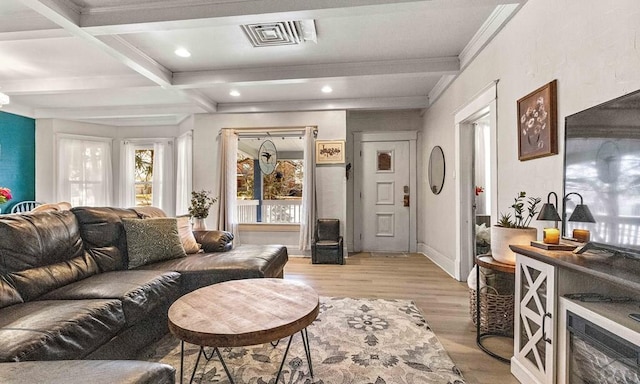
x=548, y=212
x=581, y=213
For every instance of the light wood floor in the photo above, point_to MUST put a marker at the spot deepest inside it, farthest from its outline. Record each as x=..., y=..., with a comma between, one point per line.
x=443, y=301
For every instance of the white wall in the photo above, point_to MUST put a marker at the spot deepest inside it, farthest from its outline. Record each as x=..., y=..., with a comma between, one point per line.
x=330, y=179
x=589, y=46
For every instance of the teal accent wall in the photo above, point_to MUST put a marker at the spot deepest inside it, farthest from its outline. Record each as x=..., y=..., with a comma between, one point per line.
x=17, y=158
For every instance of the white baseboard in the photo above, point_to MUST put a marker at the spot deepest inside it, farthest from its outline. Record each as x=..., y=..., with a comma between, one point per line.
x=438, y=258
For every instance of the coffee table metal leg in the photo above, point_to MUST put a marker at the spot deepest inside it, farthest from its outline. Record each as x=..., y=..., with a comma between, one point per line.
x=307, y=349
x=181, y=360
x=195, y=368
x=284, y=357
x=224, y=365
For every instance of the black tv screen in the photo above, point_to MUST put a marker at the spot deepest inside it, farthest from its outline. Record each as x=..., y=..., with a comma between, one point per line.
x=602, y=164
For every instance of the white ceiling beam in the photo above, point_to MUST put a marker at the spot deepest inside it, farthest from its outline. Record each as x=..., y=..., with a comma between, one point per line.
x=33, y=34
x=405, y=102
x=115, y=46
x=73, y=85
x=434, y=66
x=137, y=17
x=116, y=112
x=138, y=121
x=192, y=13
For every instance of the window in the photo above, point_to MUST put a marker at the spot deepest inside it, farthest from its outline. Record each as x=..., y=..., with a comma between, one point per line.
x=272, y=198
x=84, y=171
x=146, y=174
x=144, y=177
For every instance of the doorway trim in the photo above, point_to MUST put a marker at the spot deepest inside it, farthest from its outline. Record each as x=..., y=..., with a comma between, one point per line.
x=484, y=102
x=359, y=138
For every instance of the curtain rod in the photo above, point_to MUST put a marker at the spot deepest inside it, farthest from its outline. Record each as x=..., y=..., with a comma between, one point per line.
x=270, y=135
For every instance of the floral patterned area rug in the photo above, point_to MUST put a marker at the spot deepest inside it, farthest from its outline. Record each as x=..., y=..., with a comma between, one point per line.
x=352, y=341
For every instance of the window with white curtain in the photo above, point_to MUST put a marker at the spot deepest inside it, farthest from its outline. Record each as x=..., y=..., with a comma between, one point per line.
x=184, y=171
x=84, y=173
x=146, y=174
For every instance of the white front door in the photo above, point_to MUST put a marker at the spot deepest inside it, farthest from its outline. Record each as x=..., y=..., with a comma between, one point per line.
x=385, y=182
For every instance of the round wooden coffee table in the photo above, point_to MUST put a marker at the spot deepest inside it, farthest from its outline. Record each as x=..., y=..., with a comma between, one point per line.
x=243, y=312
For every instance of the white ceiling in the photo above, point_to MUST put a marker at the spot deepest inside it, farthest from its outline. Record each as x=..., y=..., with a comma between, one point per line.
x=112, y=61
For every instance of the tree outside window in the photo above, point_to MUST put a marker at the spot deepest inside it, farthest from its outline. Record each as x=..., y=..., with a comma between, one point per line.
x=244, y=174
x=144, y=177
x=285, y=182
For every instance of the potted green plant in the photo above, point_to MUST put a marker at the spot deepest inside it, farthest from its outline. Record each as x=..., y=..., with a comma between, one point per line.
x=201, y=203
x=513, y=228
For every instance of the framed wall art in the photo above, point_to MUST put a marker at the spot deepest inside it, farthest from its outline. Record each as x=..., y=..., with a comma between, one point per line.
x=537, y=123
x=330, y=152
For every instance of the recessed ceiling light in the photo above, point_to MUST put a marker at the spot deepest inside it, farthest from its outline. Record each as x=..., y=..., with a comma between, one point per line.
x=234, y=93
x=327, y=89
x=182, y=52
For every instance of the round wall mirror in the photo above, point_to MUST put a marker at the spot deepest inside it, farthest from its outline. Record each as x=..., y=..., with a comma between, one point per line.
x=436, y=169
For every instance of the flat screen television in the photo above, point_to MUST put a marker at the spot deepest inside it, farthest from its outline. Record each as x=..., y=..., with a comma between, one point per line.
x=602, y=164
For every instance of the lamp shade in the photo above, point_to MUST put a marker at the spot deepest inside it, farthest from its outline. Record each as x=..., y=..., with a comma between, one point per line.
x=582, y=214
x=548, y=213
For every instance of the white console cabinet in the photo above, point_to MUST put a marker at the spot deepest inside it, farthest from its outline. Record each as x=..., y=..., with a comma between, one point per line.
x=535, y=319
x=541, y=349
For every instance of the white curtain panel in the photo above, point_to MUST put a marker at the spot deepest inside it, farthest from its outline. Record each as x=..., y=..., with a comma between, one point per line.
x=308, y=208
x=227, y=220
x=162, y=185
x=84, y=176
x=127, y=174
x=184, y=173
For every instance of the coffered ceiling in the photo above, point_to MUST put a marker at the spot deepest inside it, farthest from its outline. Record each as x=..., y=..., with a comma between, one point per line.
x=114, y=62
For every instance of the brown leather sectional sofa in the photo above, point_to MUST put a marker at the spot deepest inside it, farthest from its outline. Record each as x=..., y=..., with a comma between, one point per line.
x=66, y=292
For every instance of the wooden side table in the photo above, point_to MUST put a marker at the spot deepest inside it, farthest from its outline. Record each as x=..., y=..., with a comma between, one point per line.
x=488, y=262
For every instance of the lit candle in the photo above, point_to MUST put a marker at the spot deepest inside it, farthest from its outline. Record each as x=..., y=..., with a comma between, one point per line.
x=551, y=236
x=581, y=235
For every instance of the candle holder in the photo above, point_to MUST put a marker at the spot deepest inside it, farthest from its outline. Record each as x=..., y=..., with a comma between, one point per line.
x=582, y=235
x=551, y=236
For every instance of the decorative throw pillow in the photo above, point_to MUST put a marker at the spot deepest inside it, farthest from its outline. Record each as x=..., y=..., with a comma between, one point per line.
x=151, y=240
x=189, y=242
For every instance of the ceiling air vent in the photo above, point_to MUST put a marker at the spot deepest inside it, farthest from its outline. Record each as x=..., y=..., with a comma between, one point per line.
x=280, y=33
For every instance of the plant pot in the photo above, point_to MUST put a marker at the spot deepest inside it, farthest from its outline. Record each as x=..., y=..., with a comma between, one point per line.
x=199, y=224
x=502, y=237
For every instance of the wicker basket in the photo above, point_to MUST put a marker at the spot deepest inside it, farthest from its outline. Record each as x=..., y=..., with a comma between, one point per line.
x=496, y=311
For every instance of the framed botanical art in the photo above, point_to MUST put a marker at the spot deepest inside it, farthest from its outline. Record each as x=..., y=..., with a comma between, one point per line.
x=537, y=123
x=329, y=151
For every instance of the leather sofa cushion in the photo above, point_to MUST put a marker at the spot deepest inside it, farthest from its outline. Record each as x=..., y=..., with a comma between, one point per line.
x=243, y=262
x=214, y=241
x=32, y=283
x=149, y=212
x=33, y=240
x=9, y=295
x=57, y=329
x=103, y=234
x=87, y=371
x=141, y=292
